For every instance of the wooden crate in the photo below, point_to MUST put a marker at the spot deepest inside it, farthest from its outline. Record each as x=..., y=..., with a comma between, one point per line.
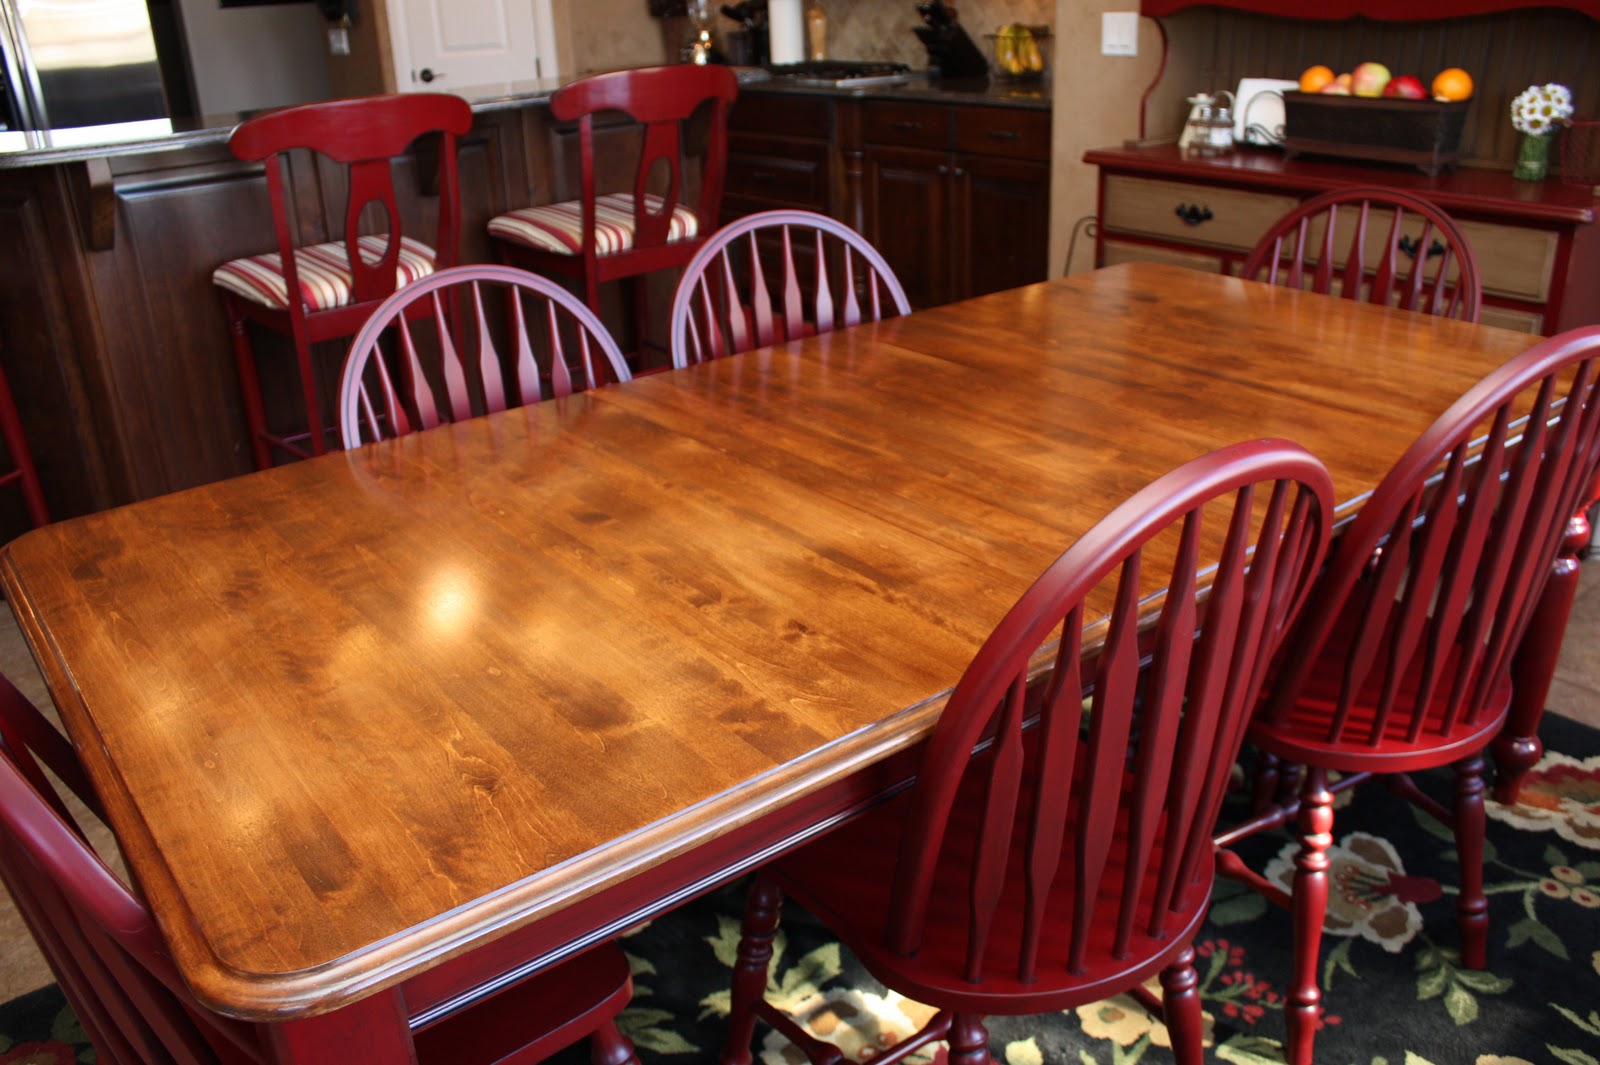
x=1425, y=134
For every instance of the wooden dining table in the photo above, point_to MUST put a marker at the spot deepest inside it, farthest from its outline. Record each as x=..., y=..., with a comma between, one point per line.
x=500, y=690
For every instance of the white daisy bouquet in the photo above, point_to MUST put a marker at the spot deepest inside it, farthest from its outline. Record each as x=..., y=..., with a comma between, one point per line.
x=1541, y=109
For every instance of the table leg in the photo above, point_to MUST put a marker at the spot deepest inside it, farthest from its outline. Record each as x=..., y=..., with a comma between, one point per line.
x=1518, y=747
x=372, y=1030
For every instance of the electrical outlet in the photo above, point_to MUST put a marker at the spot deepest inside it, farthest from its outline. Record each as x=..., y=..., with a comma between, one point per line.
x=1119, y=33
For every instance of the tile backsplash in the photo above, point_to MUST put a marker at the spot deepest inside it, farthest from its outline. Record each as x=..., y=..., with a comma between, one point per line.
x=881, y=29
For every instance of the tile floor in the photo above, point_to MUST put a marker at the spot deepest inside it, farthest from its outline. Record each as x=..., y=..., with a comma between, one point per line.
x=1575, y=693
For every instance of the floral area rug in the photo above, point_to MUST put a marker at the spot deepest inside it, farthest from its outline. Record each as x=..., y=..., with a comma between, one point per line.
x=1394, y=990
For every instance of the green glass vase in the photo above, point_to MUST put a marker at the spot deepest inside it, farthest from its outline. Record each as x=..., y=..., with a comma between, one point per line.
x=1533, y=157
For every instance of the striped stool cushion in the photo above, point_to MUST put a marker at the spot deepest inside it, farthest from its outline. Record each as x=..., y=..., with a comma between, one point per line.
x=325, y=280
x=558, y=227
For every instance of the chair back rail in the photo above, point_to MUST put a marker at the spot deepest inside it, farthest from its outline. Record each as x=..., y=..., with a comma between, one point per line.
x=1302, y=250
x=1431, y=588
x=1150, y=755
x=484, y=323
x=725, y=303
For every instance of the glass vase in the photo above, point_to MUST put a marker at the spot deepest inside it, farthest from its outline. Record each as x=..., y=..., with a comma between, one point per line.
x=1533, y=157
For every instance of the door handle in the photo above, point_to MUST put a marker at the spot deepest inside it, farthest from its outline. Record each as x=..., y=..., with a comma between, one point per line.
x=1408, y=247
x=427, y=74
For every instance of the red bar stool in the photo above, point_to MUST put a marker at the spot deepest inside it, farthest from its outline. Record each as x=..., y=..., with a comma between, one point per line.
x=606, y=236
x=336, y=284
x=23, y=472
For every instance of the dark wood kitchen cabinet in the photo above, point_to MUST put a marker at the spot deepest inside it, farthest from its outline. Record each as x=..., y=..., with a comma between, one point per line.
x=781, y=153
x=957, y=197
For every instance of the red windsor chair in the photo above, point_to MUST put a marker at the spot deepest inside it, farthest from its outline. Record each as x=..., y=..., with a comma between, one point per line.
x=725, y=303
x=114, y=969
x=1337, y=243
x=384, y=395
x=1401, y=659
x=1048, y=856
x=337, y=284
x=603, y=237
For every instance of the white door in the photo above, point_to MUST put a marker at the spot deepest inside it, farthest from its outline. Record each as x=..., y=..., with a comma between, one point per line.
x=455, y=45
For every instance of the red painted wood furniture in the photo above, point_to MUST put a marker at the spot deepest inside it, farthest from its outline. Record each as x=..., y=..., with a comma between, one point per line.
x=23, y=474
x=1070, y=857
x=114, y=967
x=1402, y=658
x=335, y=283
x=1393, y=10
x=603, y=236
x=376, y=729
x=726, y=303
x=494, y=336
x=1352, y=243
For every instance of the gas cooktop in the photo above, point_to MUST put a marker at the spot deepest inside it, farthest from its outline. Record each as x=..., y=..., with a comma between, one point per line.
x=842, y=74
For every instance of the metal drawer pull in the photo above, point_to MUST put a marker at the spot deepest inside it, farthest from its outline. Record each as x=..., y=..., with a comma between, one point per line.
x=905, y=127
x=1408, y=247
x=1193, y=214
x=763, y=175
x=1005, y=134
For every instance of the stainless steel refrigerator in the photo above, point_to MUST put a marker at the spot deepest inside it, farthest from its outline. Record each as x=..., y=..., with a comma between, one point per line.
x=70, y=63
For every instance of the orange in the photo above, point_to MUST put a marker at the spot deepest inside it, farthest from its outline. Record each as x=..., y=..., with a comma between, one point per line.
x=1315, y=78
x=1452, y=84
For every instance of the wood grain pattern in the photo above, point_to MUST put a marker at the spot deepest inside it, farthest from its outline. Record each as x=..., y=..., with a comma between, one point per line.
x=360, y=714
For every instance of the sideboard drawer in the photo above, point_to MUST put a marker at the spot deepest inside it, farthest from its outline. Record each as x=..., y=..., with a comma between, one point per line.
x=907, y=125
x=1219, y=217
x=1513, y=262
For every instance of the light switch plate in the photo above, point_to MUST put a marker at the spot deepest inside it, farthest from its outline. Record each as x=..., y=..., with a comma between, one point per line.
x=1119, y=33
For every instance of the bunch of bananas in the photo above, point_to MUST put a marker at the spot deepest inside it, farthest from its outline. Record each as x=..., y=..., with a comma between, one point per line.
x=1016, y=52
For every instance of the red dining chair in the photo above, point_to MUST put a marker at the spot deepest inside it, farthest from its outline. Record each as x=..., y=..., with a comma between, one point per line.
x=114, y=969
x=603, y=236
x=23, y=474
x=1354, y=243
x=1048, y=855
x=336, y=284
x=726, y=303
x=483, y=363
x=1401, y=660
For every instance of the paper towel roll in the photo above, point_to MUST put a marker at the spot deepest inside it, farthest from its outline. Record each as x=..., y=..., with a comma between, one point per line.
x=786, y=26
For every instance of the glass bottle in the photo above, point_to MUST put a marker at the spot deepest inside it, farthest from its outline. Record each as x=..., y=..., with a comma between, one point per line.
x=816, y=31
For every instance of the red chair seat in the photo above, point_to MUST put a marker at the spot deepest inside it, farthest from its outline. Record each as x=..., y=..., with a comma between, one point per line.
x=558, y=227
x=325, y=278
x=846, y=880
x=1301, y=732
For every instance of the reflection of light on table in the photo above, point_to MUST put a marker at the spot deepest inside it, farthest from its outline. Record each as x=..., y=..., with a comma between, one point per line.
x=449, y=602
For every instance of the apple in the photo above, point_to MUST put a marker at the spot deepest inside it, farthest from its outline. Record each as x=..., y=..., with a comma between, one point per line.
x=1408, y=86
x=1369, y=79
x=1339, y=86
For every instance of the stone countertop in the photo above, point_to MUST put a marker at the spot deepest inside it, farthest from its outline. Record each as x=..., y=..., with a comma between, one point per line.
x=25, y=149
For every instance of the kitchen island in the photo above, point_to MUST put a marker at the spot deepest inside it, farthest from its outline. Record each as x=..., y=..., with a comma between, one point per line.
x=110, y=330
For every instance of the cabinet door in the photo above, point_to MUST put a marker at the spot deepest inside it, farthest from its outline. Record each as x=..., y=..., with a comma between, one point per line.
x=1003, y=237
x=908, y=219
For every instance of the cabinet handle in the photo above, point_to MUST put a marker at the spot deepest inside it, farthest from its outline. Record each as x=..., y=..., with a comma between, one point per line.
x=905, y=127
x=1408, y=247
x=944, y=171
x=1193, y=214
x=958, y=172
x=763, y=175
x=1005, y=134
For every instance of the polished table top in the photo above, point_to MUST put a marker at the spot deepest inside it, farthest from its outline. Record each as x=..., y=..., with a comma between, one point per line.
x=357, y=714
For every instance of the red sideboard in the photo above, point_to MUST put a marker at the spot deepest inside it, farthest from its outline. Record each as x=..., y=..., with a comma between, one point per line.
x=1380, y=10
x=1537, y=242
